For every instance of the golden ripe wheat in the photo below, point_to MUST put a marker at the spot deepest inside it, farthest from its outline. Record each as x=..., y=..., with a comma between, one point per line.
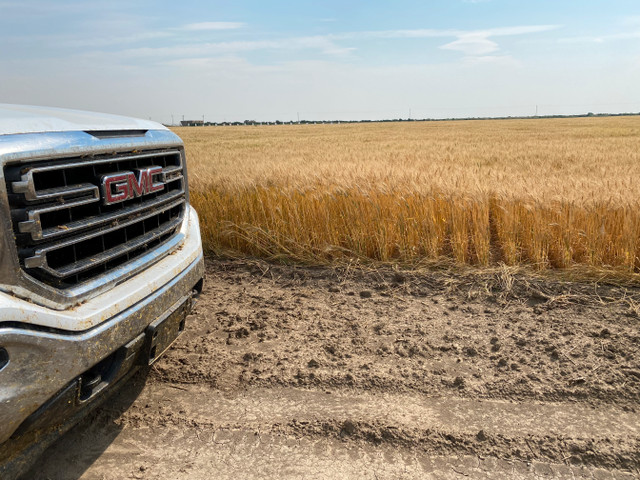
x=548, y=193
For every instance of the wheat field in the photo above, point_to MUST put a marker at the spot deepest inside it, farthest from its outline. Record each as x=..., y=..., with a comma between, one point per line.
x=541, y=193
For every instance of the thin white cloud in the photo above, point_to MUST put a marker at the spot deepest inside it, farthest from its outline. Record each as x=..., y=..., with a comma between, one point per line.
x=443, y=33
x=200, y=26
x=601, y=38
x=479, y=42
x=321, y=43
x=105, y=41
x=472, y=44
x=418, y=33
x=517, y=30
x=106, y=32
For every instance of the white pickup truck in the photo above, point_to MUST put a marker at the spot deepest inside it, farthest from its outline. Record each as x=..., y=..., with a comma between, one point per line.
x=100, y=260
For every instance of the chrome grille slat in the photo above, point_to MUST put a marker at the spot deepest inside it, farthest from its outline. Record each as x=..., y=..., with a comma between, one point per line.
x=66, y=234
x=112, y=217
x=52, y=193
x=33, y=225
x=39, y=259
x=82, y=265
x=92, y=162
x=171, y=174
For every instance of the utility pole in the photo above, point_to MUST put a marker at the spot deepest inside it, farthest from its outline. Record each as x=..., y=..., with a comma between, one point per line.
x=536, y=110
x=298, y=118
x=409, y=114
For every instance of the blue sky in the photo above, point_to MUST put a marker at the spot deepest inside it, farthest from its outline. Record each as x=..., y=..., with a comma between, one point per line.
x=237, y=60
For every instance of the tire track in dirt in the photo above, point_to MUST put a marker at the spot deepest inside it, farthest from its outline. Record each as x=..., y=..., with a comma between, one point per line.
x=186, y=430
x=604, y=437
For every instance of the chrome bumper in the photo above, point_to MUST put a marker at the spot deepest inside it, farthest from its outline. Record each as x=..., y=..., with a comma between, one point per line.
x=43, y=361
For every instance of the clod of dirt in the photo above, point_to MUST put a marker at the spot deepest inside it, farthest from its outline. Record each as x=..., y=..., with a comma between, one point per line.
x=365, y=294
x=470, y=351
x=331, y=349
x=242, y=333
x=398, y=278
x=334, y=289
x=458, y=382
x=250, y=357
x=348, y=427
x=480, y=436
x=313, y=363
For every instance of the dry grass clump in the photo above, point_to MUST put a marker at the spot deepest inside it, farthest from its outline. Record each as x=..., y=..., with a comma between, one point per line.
x=549, y=193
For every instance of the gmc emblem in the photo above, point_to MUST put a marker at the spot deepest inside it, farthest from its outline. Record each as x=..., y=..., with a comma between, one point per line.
x=121, y=186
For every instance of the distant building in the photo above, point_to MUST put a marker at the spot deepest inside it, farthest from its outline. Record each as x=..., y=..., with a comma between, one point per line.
x=191, y=123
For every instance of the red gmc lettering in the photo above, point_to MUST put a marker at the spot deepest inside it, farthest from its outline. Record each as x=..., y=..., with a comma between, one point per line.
x=145, y=184
x=122, y=186
x=115, y=188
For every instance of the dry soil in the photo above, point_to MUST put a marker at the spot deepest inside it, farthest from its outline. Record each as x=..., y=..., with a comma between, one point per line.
x=293, y=372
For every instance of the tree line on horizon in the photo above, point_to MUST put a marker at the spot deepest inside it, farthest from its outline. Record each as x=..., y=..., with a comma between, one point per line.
x=200, y=123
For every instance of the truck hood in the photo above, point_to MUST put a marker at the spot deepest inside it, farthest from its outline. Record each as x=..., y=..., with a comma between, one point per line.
x=29, y=119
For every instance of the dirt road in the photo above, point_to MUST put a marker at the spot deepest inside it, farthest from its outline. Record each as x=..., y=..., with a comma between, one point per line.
x=291, y=372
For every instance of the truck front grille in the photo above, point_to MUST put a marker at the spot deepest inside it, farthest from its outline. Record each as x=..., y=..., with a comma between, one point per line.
x=66, y=230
